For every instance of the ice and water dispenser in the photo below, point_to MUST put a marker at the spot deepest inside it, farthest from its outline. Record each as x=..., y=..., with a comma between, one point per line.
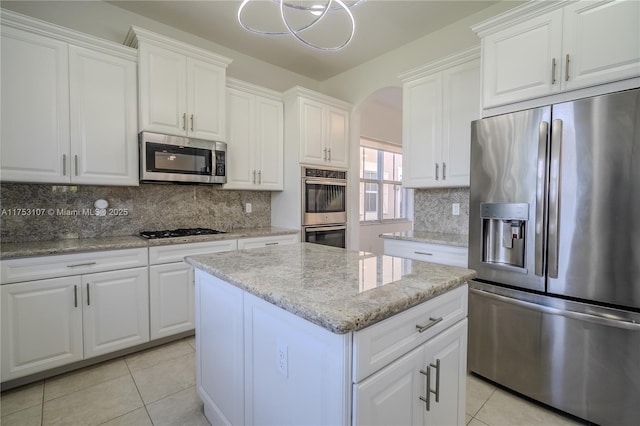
x=504, y=227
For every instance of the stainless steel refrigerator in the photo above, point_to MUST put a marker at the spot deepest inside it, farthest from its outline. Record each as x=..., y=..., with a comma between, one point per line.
x=554, y=235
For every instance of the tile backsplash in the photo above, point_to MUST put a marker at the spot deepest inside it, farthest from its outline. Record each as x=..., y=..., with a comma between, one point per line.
x=34, y=212
x=433, y=210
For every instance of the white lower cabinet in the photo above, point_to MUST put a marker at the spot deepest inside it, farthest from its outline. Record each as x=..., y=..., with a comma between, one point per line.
x=115, y=310
x=52, y=322
x=429, y=252
x=259, y=364
x=41, y=325
x=256, y=242
x=424, y=387
x=60, y=309
x=171, y=285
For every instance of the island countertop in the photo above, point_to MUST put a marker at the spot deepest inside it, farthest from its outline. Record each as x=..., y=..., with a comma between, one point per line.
x=339, y=290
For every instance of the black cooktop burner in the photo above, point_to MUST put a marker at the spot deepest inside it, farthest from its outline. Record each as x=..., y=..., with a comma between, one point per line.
x=183, y=232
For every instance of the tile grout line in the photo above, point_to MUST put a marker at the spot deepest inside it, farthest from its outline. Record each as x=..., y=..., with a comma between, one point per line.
x=144, y=405
x=482, y=406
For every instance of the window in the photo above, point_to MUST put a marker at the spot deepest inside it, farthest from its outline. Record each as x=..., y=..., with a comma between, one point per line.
x=382, y=197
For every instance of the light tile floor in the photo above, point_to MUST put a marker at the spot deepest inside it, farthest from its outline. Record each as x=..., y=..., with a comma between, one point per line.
x=157, y=387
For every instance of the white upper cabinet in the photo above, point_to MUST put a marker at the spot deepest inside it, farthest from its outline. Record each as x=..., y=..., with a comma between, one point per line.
x=545, y=48
x=71, y=99
x=439, y=102
x=322, y=128
x=255, y=131
x=601, y=41
x=103, y=118
x=181, y=87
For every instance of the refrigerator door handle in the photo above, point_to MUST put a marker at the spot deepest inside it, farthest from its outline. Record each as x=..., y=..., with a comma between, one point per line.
x=541, y=201
x=554, y=194
x=581, y=316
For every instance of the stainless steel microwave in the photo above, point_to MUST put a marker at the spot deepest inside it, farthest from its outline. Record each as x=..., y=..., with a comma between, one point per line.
x=165, y=158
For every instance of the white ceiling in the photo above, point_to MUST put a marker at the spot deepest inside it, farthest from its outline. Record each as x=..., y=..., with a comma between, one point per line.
x=381, y=26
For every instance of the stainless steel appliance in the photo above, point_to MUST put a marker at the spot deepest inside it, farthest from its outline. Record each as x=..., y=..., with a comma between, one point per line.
x=165, y=158
x=554, y=235
x=335, y=236
x=324, y=206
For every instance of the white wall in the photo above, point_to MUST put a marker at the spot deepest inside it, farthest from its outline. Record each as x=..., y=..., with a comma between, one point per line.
x=112, y=23
x=381, y=122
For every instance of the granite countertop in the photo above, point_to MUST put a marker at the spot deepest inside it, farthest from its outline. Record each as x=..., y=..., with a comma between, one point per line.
x=339, y=290
x=429, y=237
x=43, y=248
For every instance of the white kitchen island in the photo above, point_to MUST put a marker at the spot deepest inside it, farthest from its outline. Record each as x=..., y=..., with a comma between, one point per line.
x=310, y=334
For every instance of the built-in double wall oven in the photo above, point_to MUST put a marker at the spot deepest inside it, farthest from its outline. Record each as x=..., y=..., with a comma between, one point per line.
x=324, y=206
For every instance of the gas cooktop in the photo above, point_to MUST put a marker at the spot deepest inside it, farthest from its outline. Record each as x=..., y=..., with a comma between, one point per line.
x=182, y=232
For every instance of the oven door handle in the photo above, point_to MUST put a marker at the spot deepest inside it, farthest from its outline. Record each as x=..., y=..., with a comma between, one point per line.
x=325, y=182
x=324, y=228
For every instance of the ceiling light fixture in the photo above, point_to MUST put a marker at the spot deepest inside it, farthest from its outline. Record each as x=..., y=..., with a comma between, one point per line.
x=319, y=12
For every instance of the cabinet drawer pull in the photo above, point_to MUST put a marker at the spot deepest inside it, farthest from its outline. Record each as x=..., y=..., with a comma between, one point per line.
x=553, y=71
x=75, y=296
x=81, y=264
x=423, y=328
x=271, y=244
x=566, y=69
x=424, y=253
x=88, y=295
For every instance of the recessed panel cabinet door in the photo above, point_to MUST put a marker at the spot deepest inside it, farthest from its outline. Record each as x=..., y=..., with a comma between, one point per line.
x=422, y=132
x=337, y=137
x=269, y=147
x=392, y=395
x=523, y=61
x=116, y=310
x=171, y=299
x=104, y=126
x=35, y=108
x=163, y=91
x=205, y=100
x=312, y=132
x=601, y=42
x=241, y=168
x=41, y=325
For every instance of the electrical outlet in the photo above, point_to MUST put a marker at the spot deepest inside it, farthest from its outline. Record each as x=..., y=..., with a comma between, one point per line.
x=247, y=208
x=455, y=209
x=282, y=358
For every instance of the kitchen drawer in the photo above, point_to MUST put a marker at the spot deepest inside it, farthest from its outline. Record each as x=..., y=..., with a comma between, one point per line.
x=37, y=268
x=434, y=253
x=382, y=343
x=249, y=243
x=177, y=252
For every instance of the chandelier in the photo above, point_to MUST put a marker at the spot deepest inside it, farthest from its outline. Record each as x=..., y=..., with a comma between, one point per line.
x=316, y=11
